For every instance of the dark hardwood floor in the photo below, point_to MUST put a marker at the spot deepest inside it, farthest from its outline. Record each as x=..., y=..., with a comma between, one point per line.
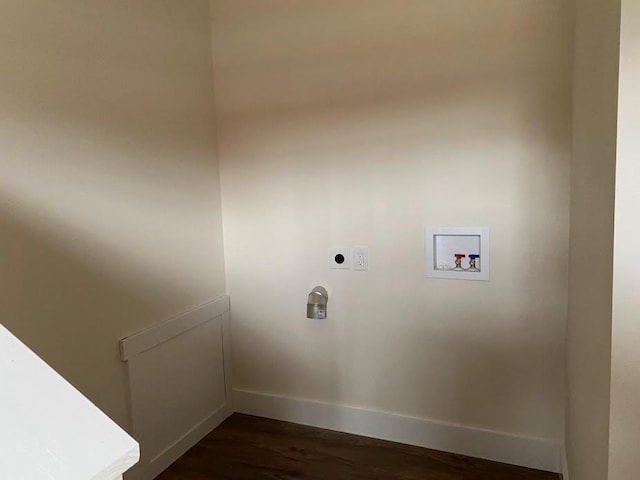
x=246, y=448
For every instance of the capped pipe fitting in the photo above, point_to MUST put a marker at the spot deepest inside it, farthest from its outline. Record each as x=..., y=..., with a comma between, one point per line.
x=317, y=303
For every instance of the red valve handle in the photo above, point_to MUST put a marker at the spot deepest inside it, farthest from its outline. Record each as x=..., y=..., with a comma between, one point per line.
x=459, y=255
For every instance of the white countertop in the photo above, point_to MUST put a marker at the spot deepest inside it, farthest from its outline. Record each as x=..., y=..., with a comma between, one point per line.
x=49, y=430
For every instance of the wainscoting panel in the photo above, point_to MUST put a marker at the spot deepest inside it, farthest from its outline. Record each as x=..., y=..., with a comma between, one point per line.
x=536, y=453
x=179, y=377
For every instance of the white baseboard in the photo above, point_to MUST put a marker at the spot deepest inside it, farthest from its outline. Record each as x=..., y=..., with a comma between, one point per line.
x=564, y=465
x=523, y=451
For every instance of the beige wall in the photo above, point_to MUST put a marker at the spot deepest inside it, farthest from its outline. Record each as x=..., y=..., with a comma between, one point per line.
x=109, y=201
x=359, y=123
x=624, y=462
x=593, y=171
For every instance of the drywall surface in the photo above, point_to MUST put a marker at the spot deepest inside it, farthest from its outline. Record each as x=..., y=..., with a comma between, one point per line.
x=347, y=123
x=109, y=197
x=593, y=171
x=624, y=461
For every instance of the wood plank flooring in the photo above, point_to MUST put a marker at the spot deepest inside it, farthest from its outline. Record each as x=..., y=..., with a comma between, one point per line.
x=247, y=448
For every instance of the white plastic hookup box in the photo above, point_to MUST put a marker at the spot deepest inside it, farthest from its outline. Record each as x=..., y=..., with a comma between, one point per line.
x=442, y=244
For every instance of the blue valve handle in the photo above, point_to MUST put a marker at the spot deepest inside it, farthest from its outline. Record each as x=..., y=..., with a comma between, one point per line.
x=473, y=257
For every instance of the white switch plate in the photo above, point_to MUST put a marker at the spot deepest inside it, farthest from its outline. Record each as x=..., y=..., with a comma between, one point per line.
x=340, y=258
x=361, y=258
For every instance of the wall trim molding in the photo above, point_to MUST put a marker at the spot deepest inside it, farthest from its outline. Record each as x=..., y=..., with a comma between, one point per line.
x=536, y=453
x=189, y=354
x=155, y=335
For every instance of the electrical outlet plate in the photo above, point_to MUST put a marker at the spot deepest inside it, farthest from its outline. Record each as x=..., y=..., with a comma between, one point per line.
x=361, y=258
x=340, y=258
